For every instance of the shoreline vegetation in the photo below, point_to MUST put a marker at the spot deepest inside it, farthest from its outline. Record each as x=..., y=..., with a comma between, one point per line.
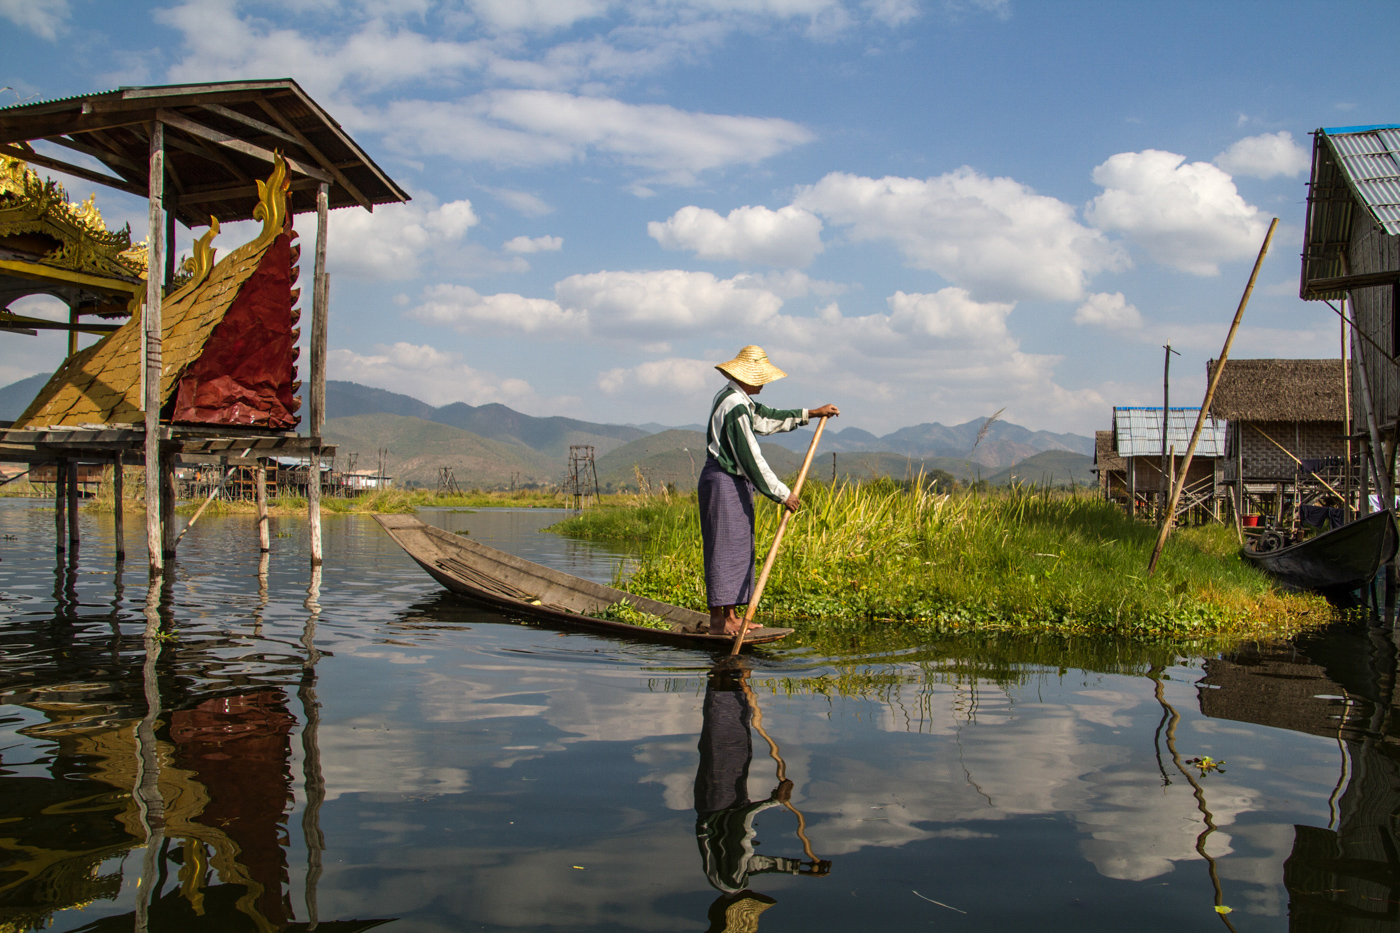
x=384, y=501
x=890, y=562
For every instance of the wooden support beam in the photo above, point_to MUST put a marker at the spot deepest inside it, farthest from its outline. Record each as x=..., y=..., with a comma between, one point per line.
x=229, y=113
x=167, y=503
x=186, y=125
x=102, y=155
x=152, y=345
x=60, y=501
x=71, y=124
x=23, y=324
x=1343, y=283
x=317, y=394
x=73, y=535
x=260, y=496
x=119, y=506
x=316, y=154
x=228, y=192
x=77, y=171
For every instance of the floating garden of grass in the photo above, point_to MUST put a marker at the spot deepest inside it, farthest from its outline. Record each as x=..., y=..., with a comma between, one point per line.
x=895, y=563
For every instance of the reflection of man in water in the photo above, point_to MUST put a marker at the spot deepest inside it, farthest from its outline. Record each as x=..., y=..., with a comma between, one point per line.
x=724, y=814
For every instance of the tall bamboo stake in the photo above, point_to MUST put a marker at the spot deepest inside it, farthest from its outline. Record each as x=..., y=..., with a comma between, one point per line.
x=777, y=540
x=118, y=518
x=150, y=325
x=1205, y=405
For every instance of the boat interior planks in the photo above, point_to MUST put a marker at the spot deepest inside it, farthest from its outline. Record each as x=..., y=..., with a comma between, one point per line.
x=521, y=587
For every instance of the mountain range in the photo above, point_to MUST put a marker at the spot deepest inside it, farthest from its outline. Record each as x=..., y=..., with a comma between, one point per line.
x=493, y=445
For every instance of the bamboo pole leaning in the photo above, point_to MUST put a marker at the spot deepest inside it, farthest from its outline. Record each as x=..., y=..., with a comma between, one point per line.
x=777, y=541
x=1205, y=405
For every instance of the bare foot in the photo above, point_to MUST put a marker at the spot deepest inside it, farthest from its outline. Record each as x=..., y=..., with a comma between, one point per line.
x=723, y=621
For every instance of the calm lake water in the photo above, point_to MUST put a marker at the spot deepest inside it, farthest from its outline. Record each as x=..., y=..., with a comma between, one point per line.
x=377, y=752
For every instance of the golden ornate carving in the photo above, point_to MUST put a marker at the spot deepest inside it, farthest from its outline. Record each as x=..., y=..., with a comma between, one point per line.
x=197, y=266
x=272, y=201
x=31, y=205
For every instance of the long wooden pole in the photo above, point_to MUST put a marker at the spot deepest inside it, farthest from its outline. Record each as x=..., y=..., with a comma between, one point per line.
x=1346, y=418
x=118, y=504
x=777, y=541
x=1372, y=427
x=260, y=496
x=155, y=184
x=1205, y=405
x=72, y=494
x=320, y=288
x=60, y=504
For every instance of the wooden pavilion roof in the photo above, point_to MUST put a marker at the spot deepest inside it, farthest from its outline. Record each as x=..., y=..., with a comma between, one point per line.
x=220, y=138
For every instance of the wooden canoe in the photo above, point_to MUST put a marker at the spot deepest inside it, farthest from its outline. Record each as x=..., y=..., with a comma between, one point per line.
x=518, y=586
x=1334, y=563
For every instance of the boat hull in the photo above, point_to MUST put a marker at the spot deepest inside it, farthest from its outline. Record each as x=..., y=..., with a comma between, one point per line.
x=521, y=587
x=1334, y=563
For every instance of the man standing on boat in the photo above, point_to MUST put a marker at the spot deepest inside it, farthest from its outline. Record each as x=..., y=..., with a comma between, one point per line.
x=734, y=468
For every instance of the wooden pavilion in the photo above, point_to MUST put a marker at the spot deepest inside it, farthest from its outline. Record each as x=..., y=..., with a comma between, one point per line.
x=1147, y=463
x=1285, y=437
x=1351, y=261
x=216, y=379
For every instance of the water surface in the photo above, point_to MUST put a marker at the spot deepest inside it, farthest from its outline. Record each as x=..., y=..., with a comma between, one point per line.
x=365, y=747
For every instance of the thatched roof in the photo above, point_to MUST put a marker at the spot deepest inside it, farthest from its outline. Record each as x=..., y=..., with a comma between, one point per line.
x=1104, y=456
x=1279, y=390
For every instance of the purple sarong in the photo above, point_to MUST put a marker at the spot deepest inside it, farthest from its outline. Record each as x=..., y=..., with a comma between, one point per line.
x=726, y=524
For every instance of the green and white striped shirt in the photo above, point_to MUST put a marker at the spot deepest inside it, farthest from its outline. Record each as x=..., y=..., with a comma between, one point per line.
x=734, y=420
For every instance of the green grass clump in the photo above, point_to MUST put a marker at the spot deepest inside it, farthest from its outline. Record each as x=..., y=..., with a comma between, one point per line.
x=861, y=557
x=623, y=611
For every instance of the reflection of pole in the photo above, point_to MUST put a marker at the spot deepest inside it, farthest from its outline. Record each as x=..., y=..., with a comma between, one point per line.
x=1199, y=792
x=782, y=765
x=313, y=781
x=150, y=806
x=262, y=594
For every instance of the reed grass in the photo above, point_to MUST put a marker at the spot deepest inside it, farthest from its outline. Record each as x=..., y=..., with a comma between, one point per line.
x=889, y=562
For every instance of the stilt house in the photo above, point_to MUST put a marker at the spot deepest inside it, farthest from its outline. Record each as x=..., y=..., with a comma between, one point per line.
x=1137, y=440
x=1285, y=437
x=1112, y=469
x=1351, y=260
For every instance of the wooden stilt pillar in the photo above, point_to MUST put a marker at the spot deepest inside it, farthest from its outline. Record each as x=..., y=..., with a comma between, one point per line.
x=118, y=506
x=72, y=493
x=317, y=383
x=60, y=502
x=151, y=326
x=167, y=502
x=260, y=496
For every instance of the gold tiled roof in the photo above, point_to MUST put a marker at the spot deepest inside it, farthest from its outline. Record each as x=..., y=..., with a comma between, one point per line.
x=102, y=384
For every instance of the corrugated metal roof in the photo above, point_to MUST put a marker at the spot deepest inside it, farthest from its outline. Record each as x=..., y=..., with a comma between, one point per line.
x=1371, y=160
x=1138, y=432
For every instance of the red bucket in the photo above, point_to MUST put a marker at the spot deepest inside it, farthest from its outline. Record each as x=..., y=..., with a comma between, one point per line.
x=1250, y=521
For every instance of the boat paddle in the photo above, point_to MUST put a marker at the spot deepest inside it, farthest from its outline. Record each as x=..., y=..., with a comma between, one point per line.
x=777, y=540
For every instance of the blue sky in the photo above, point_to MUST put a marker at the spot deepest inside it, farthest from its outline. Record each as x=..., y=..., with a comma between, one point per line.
x=924, y=211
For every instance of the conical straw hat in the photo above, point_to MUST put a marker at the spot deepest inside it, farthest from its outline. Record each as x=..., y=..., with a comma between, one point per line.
x=751, y=366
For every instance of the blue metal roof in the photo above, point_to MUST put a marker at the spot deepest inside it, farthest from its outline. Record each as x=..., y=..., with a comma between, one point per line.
x=1338, y=130
x=1370, y=159
x=1138, y=432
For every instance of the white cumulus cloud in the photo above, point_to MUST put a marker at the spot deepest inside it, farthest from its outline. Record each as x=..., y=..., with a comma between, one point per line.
x=673, y=376
x=426, y=373
x=44, y=18
x=1266, y=156
x=1108, y=310
x=402, y=241
x=994, y=236
x=1187, y=215
x=539, y=244
x=526, y=127
x=788, y=237
x=664, y=303
x=461, y=307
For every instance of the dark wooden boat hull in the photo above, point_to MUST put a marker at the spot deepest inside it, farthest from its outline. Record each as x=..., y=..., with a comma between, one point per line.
x=1336, y=562
x=518, y=586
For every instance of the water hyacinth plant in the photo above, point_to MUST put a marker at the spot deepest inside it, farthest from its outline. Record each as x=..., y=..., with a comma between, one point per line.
x=889, y=553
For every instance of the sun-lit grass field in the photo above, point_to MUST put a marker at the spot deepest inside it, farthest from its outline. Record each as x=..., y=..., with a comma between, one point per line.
x=859, y=557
